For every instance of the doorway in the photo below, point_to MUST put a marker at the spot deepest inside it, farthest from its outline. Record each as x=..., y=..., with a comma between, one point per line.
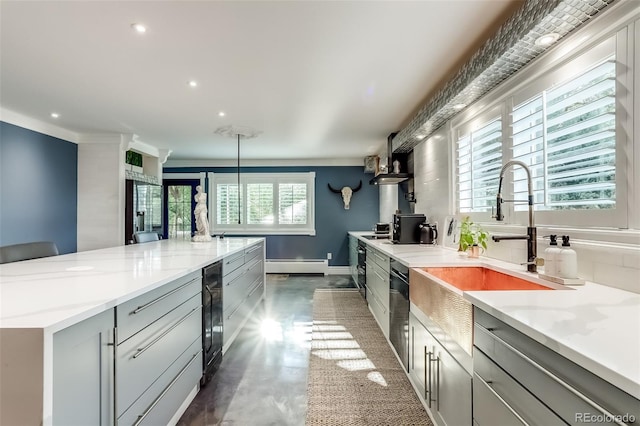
x=178, y=209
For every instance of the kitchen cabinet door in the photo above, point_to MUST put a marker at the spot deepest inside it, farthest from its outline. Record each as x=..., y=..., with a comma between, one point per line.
x=83, y=372
x=417, y=354
x=451, y=388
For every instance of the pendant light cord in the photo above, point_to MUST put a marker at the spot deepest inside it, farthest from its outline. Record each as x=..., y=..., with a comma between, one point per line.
x=239, y=179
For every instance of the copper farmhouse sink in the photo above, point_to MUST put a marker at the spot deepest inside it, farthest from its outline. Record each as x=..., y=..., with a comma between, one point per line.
x=447, y=307
x=479, y=278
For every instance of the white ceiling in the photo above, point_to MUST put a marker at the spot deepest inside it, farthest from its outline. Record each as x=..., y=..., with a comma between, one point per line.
x=320, y=79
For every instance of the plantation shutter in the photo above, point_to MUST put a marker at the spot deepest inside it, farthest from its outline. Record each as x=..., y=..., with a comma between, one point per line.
x=260, y=203
x=567, y=137
x=227, y=202
x=479, y=154
x=292, y=203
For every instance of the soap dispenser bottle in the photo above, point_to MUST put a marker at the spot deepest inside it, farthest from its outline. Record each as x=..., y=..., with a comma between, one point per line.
x=566, y=260
x=550, y=257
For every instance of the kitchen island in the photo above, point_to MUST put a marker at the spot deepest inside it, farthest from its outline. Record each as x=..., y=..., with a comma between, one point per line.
x=59, y=315
x=592, y=326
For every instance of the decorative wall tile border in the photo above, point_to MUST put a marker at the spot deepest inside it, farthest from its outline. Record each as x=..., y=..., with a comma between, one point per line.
x=510, y=49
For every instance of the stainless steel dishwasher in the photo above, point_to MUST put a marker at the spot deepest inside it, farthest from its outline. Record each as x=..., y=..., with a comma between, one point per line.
x=399, y=310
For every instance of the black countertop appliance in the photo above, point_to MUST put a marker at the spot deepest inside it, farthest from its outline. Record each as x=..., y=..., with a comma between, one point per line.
x=406, y=228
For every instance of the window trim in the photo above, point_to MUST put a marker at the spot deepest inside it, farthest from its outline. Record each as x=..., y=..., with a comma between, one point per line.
x=260, y=229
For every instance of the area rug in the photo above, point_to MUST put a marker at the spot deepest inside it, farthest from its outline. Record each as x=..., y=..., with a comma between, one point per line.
x=354, y=377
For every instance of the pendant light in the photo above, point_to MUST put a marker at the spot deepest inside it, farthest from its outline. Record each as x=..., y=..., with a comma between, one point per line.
x=237, y=132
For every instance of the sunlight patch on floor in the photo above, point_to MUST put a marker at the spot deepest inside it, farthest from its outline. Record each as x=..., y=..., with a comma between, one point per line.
x=331, y=341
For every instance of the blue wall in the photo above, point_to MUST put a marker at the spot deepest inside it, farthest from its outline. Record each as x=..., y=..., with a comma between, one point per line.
x=38, y=188
x=332, y=220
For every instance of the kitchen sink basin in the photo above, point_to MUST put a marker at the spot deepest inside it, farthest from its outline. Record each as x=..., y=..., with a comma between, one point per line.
x=447, y=307
x=479, y=278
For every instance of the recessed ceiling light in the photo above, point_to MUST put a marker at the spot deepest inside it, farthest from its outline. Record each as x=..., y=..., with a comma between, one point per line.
x=221, y=114
x=547, y=39
x=193, y=83
x=55, y=115
x=139, y=28
x=420, y=137
x=458, y=107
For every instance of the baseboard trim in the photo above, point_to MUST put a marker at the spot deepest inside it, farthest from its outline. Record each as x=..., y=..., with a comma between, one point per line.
x=293, y=266
x=339, y=270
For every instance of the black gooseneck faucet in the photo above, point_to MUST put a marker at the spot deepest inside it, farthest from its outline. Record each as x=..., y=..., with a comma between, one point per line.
x=531, y=237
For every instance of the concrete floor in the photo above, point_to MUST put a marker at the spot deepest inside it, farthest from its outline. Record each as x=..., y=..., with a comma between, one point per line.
x=263, y=376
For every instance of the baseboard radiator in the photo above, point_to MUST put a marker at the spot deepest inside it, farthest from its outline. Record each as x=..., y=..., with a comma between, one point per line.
x=295, y=266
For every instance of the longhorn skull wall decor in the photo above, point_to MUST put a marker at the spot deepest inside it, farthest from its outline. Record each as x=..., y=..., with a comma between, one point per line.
x=346, y=193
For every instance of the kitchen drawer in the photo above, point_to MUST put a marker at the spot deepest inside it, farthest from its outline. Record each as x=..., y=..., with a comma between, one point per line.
x=145, y=356
x=232, y=319
x=254, y=251
x=489, y=409
x=515, y=396
x=562, y=385
x=255, y=268
x=234, y=275
x=232, y=262
x=136, y=314
x=380, y=312
x=161, y=401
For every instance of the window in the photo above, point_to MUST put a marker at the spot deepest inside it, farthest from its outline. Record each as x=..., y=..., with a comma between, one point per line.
x=566, y=135
x=267, y=203
x=568, y=122
x=479, y=154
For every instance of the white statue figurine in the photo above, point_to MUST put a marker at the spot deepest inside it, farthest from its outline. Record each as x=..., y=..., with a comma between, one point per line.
x=200, y=212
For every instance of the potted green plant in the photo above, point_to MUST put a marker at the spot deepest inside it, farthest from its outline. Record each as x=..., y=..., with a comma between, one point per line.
x=472, y=237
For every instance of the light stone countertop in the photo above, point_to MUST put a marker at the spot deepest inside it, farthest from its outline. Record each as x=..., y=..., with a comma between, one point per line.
x=595, y=326
x=55, y=292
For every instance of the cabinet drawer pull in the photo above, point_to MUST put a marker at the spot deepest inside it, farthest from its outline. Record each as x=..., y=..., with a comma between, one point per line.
x=255, y=287
x=140, y=351
x=254, y=248
x=558, y=380
x=164, y=296
x=155, y=402
x=236, y=278
x=379, y=276
x=235, y=309
x=234, y=258
x=514, y=412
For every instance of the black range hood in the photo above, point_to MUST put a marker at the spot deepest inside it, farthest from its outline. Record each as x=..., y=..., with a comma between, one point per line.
x=392, y=178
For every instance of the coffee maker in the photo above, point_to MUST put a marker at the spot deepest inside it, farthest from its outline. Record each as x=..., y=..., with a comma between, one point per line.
x=405, y=228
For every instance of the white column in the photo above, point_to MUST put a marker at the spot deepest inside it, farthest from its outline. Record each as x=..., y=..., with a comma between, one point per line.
x=388, y=202
x=101, y=191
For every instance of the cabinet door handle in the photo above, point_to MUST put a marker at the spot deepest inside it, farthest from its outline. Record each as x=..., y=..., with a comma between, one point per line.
x=155, y=402
x=413, y=349
x=431, y=398
x=154, y=301
x=140, y=351
x=437, y=360
x=426, y=389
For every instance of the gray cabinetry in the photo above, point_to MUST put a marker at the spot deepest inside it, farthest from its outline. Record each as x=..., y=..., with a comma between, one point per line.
x=158, y=351
x=519, y=379
x=83, y=372
x=242, y=289
x=443, y=383
x=378, y=287
x=353, y=258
